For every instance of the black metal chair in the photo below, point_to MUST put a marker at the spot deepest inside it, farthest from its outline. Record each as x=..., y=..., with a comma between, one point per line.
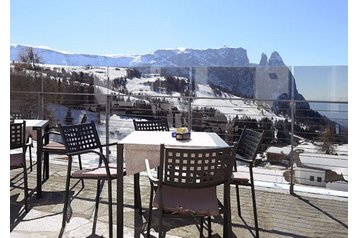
x=248, y=146
x=17, y=159
x=29, y=139
x=151, y=125
x=55, y=146
x=187, y=185
x=161, y=125
x=83, y=139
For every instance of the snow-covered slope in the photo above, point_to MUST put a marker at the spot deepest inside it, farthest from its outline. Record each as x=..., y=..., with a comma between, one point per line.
x=205, y=96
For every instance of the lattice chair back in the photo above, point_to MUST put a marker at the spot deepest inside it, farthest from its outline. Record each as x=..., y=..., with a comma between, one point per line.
x=17, y=135
x=151, y=125
x=80, y=137
x=196, y=168
x=17, y=160
x=248, y=145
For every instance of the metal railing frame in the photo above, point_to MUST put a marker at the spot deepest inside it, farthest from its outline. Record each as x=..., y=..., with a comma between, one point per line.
x=41, y=108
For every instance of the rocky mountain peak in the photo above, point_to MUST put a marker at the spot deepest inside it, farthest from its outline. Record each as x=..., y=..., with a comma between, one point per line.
x=263, y=60
x=275, y=59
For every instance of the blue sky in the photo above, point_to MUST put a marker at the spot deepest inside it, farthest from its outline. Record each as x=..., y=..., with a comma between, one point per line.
x=304, y=32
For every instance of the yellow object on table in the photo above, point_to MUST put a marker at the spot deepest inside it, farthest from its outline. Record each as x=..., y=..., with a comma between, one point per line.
x=183, y=133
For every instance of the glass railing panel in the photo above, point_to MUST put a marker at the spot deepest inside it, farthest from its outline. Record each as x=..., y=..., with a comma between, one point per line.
x=301, y=128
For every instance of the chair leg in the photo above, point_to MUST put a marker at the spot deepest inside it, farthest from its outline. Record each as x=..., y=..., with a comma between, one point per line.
x=43, y=169
x=30, y=155
x=227, y=212
x=26, y=195
x=209, y=227
x=98, y=193
x=150, y=210
x=110, y=208
x=137, y=197
x=160, y=222
x=255, y=210
x=80, y=165
x=67, y=191
x=201, y=227
x=238, y=200
x=47, y=162
x=46, y=169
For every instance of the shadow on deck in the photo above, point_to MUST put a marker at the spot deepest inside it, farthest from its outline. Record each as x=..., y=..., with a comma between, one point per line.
x=279, y=213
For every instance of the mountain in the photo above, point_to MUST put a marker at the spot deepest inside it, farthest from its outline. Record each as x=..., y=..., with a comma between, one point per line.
x=227, y=68
x=229, y=57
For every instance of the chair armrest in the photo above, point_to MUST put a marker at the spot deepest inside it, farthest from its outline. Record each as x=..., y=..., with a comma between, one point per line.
x=29, y=141
x=90, y=151
x=240, y=158
x=106, y=164
x=110, y=144
x=51, y=130
x=150, y=176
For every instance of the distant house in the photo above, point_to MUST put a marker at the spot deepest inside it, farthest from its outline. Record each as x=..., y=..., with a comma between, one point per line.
x=278, y=155
x=329, y=171
x=162, y=90
x=312, y=177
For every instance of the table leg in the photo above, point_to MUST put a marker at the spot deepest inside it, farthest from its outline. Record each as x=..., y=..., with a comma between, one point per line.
x=46, y=160
x=39, y=163
x=227, y=214
x=137, y=200
x=120, y=190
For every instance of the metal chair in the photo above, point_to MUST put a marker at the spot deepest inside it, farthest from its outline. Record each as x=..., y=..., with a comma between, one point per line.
x=187, y=184
x=29, y=140
x=248, y=146
x=83, y=139
x=55, y=146
x=17, y=160
x=147, y=126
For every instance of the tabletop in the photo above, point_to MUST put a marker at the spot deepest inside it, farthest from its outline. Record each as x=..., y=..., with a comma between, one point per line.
x=141, y=145
x=33, y=122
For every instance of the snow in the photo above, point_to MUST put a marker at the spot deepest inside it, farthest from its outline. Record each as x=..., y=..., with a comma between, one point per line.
x=230, y=105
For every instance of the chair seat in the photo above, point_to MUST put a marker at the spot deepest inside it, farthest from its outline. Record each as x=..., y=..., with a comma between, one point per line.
x=96, y=172
x=240, y=178
x=183, y=201
x=16, y=160
x=54, y=147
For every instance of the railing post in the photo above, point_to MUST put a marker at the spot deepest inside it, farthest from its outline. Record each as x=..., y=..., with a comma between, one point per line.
x=190, y=99
x=108, y=111
x=293, y=112
x=38, y=106
x=293, y=108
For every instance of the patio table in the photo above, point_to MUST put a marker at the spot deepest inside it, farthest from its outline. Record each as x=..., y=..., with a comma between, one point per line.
x=141, y=145
x=40, y=126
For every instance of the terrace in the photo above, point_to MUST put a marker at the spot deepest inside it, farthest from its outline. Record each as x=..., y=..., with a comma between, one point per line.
x=280, y=214
x=301, y=190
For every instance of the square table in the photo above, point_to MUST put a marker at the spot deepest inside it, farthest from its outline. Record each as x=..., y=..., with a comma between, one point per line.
x=141, y=145
x=40, y=126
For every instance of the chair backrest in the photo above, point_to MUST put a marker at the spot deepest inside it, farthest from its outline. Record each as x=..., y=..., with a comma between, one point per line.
x=195, y=168
x=249, y=144
x=80, y=137
x=18, y=135
x=21, y=114
x=16, y=115
x=151, y=125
